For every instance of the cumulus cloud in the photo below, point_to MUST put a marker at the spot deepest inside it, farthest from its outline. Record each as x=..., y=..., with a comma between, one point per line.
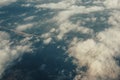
x=9, y=51
x=60, y=5
x=47, y=41
x=24, y=26
x=97, y=57
x=68, y=10
x=29, y=18
x=96, y=52
x=6, y=2
x=112, y=4
x=46, y=38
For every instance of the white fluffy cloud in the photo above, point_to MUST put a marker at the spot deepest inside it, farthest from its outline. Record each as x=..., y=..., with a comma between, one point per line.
x=6, y=2
x=96, y=52
x=10, y=52
x=29, y=18
x=69, y=9
x=98, y=57
x=112, y=3
x=60, y=5
x=24, y=27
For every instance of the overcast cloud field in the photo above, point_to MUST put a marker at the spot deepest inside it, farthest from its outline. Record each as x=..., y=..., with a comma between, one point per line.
x=59, y=39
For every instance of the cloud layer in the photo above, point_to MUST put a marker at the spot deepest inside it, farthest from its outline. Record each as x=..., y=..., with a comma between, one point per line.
x=93, y=28
x=9, y=51
x=98, y=52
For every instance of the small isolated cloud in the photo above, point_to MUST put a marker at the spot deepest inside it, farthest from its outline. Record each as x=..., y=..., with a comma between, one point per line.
x=29, y=18
x=24, y=27
x=47, y=41
x=46, y=38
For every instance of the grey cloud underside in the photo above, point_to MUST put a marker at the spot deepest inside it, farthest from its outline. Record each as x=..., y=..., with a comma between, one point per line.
x=89, y=28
